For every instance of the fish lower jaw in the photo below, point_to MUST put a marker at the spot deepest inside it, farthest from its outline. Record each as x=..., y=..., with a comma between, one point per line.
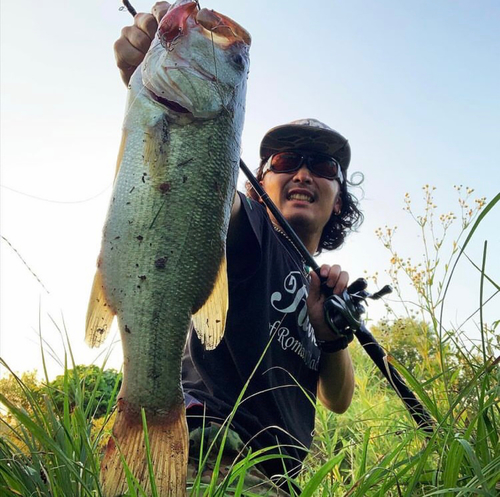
x=171, y=105
x=181, y=113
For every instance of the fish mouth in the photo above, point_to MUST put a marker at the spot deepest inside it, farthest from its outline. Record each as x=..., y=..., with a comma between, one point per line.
x=169, y=104
x=182, y=81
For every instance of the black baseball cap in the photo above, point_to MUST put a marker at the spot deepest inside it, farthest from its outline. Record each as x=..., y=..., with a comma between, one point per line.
x=308, y=135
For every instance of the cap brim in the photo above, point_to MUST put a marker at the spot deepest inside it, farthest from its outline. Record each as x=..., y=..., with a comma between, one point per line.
x=307, y=139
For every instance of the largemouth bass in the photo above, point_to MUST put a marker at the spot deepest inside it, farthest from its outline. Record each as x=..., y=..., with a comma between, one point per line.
x=162, y=260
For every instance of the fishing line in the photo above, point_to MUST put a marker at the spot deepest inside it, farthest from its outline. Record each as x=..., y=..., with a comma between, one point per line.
x=41, y=199
x=214, y=57
x=216, y=82
x=145, y=81
x=128, y=6
x=25, y=263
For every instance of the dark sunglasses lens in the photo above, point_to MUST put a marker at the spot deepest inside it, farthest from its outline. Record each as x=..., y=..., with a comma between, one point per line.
x=285, y=161
x=325, y=167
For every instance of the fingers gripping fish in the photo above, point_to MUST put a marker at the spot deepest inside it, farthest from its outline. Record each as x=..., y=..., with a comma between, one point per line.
x=162, y=260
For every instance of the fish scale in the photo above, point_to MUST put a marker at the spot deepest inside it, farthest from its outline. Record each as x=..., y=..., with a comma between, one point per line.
x=162, y=260
x=183, y=258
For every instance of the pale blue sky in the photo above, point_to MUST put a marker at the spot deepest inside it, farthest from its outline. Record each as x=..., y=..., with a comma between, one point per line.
x=414, y=86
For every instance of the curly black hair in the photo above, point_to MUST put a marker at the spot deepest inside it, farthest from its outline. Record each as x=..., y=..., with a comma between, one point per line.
x=339, y=225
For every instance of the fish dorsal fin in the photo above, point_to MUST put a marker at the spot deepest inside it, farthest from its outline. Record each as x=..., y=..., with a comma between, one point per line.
x=210, y=320
x=99, y=314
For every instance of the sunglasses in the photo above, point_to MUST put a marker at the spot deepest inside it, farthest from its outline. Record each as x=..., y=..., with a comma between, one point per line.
x=321, y=165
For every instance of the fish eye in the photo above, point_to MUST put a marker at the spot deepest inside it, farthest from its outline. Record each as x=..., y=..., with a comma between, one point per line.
x=238, y=60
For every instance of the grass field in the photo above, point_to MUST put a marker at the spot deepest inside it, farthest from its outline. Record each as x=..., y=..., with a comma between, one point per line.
x=52, y=433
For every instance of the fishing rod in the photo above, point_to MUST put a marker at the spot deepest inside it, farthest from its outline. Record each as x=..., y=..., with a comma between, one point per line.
x=128, y=6
x=343, y=314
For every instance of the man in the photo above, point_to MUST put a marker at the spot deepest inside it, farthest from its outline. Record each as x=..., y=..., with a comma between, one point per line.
x=277, y=347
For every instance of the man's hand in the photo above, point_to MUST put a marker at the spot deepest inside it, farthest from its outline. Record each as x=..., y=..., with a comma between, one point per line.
x=337, y=280
x=336, y=374
x=135, y=40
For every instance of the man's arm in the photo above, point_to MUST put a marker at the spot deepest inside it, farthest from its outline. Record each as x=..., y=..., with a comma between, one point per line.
x=336, y=373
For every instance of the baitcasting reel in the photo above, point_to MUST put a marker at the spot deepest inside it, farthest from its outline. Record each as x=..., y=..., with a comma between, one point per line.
x=343, y=313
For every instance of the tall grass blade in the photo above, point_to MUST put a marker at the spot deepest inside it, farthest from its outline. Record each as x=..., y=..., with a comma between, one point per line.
x=152, y=480
x=315, y=481
x=476, y=224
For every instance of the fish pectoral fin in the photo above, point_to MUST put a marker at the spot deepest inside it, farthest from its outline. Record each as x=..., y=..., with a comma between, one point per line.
x=210, y=320
x=99, y=314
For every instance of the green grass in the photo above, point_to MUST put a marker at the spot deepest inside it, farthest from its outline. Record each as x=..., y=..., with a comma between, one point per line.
x=52, y=433
x=372, y=450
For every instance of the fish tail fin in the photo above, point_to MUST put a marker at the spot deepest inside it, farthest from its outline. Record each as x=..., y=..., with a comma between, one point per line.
x=168, y=446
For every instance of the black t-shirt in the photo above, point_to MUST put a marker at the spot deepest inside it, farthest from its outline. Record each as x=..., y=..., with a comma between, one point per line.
x=268, y=322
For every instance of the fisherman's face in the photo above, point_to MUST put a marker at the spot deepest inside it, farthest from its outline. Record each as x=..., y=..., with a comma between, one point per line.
x=305, y=200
